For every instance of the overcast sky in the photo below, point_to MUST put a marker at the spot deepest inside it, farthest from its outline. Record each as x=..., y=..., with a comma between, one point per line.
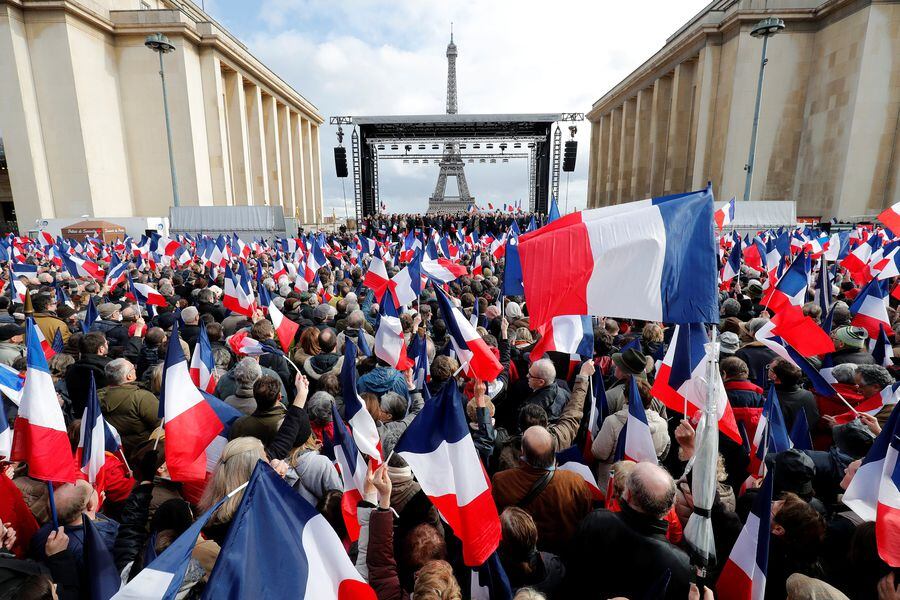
x=381, y=57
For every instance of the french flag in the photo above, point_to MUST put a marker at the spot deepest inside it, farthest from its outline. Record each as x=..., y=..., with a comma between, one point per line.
x=681, y=378
x=881, y=349
x=144, y=294
x=891, y=217
x=203, y=364
x=869, y=310
x=376, y=278
x=443, y=269
x=473, y=352
x=638, y=445
x=771, y=433
x=272, y=515
x=744, y=575
x=406, y=286
x=791, y=287
x=858, y=260
x=116, y=273
x=40, y=436
x=755, y=254
x=439, y=449
x=725, y=215
x=278, y=269
x=285, y=329
x=768, y=335
x=314, y=261
x=660, y=252
x=390, y=344
x=732, y=267
x=237, y=297
x=96, y=439
x=46, y=346
x=599, y=412
x=365, y=432
x=79, y=267
x=477, y=268
x=11, y=383
x=572, y=459
x=874, y=492
x=572, y=334
x=190, y=422
x=348, y=460
x=6, y=436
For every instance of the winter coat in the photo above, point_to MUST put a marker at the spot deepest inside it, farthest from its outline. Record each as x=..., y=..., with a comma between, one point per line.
x=133, y=411
x=746, y=399
x=148, y=357
x=757, y=356
x=832, y=407
x=132, y=535
x=243, y=400
x=10, y=352
x=383, y=379
x=617, y=399
x=116, y=333
x=548, y=572
x=262, y=424
x=625, y=554
x=78, y=379
x=353, y=334
x=189, y=334
x=228, y=385
x=313, y=475
x=380, y=561
x=60, y=567
x=316, y=367
x=557, y=510
x=105, y=527
x=604, y=446
x=49, y=324
x=552, y=398
x=278, y=363
x=793, y=399
x=852, y=356
x=391, y=431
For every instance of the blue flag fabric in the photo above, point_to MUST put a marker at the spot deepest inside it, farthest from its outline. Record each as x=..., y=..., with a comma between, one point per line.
x=554, y=211
x=489, y=581
x=90, y=315
x=102, y=576
x=800, y=432
x=512, y=271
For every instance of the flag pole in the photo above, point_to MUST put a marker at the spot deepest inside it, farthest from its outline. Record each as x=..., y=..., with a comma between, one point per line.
x=53, y=516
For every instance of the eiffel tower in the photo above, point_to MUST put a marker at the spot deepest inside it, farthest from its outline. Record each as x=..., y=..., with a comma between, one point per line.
x=451, y=162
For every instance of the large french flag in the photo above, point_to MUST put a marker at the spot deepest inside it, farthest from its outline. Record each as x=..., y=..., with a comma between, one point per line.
x=681, y=380
x=407, y=284
x=285, y=329
x=365, y=432
x=390, y=344
x=653, y=260
x=869, y=310
x=345, y=454
x=572, y=334
x=874, y=491
x=471, y=349
x=11, y=383
x=116, y=273
x=203, y=364
x=744, y=575
x=272, y=515
x=439, y=449
x=79, y=267
x=376, y=278
x=189, y=421
x=768, y=335
x=144, y=294
x=96, y=439
x=40, y=436
x=638, y=444
x=891, y=217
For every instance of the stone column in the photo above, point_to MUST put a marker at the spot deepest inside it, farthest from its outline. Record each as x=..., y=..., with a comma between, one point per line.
x=708, y=65
x=299, y=162
x=273, y=152
x=679, y=128
x=308, y=182
x=316, y=166
x=659, y=133
x=626, y=149
x=259, y=182
x=592, y=195
x=640, y=178
x=287, y=162
x=216, y=127
x=603, y=160
x=612, y=167
x=238, y=138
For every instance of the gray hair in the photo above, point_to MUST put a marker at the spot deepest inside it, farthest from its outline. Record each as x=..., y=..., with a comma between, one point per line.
x=730, y=307
x=394, y=404
x=874, y=375
x=318, y=407
x=117, y=370
x=206, y=295
x=247, y=371
x=190, y=315
x=845, y=373
x=166, y=289
x=544, y=369
x=356, y=319
x=756, y=324
x=641, y=495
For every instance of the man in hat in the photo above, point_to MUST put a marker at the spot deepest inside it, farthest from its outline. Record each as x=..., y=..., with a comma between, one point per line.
x=729, y=342
x=46, y=319
x=11, y=343
x=850, y=346
x=110, y=324
x=631, y=363
x=870, y=380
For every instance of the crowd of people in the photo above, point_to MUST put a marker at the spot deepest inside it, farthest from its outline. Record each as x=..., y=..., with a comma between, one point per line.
x=559, y=539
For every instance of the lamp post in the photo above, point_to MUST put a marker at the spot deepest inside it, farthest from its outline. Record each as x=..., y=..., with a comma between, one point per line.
x=161, y=45
x=764, y=29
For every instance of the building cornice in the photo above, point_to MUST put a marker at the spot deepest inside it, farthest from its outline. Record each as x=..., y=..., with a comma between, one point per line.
x=176, y=22
x=686, y=43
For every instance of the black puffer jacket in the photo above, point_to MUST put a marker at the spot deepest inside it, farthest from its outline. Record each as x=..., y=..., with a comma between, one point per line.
x=278, y=363
x=552, y=398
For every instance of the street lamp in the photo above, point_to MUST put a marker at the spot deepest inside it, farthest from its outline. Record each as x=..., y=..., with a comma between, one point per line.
x=161, y=44
x=764, y=29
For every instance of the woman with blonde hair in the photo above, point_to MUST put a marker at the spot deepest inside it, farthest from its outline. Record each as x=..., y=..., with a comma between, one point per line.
x=239, y=458
x=435, y=581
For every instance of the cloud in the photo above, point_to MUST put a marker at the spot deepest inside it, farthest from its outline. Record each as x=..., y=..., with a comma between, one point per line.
x=387, y=57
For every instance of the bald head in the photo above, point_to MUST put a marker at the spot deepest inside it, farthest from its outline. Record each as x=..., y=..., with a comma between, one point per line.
x=71, y=500
x=537, y=447
x=650, y=490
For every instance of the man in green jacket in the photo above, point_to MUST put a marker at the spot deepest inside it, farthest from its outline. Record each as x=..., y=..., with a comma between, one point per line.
x=132, y=410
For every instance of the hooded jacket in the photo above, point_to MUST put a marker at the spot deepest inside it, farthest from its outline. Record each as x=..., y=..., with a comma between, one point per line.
x=383, y=379
x=316, y=367
x=133, y=411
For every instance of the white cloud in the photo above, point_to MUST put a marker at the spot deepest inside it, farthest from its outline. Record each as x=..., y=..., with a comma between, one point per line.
x=387, y=57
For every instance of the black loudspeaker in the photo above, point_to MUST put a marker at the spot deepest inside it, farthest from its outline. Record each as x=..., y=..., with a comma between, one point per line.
x=569, y=154
x=340, y=161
